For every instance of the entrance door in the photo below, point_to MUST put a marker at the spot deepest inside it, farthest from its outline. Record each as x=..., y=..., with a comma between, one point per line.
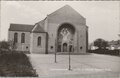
x=70, y=48
x=59, y=48
x=65, y=47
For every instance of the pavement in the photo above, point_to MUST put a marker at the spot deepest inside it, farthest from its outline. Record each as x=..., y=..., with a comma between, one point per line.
x=82, y=66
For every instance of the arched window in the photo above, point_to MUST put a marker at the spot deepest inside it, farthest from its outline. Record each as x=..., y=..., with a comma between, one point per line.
x=23, y=38
x=39, y=41
x=15, y=37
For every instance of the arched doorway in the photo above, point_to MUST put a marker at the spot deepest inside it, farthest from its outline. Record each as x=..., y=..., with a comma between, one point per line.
x=65, y=37
x=65, y=47
x=71, y=48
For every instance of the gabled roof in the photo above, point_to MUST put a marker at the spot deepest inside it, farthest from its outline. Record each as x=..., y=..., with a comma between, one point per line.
x=21, y=27
x=66, y=10
x=37, y=29
x=41, y=23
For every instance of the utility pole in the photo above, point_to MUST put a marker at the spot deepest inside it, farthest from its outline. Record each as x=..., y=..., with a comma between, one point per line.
x=119, y=18
x=0, y=18
x=69, y=62
x=119, y=25
x=55, y=50
x=55, y=57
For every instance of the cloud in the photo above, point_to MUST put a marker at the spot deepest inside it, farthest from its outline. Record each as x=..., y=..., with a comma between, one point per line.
x=101, y=17
x=13, y=3
x=25, y=9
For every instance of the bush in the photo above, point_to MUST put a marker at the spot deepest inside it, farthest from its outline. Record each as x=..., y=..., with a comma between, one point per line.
x=15, y=64
x=4, y=45
x=105, y=51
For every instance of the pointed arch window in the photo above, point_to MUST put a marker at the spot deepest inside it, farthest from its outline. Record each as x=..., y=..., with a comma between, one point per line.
x=39, y=41
x=15, y=37
x=23, y=38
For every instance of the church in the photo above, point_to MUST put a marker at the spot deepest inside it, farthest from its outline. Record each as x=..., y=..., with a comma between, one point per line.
x=64, y=30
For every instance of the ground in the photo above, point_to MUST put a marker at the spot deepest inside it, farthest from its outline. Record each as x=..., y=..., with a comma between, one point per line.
x=83, y=66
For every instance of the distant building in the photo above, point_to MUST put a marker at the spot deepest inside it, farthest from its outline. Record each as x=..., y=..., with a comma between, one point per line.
x=114, y=44
x=92, y=47
x=62, y=31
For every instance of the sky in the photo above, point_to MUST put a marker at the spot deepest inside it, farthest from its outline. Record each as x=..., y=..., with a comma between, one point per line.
x=102, y=17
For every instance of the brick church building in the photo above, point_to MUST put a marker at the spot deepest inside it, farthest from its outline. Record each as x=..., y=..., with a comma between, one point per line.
x=64, y=30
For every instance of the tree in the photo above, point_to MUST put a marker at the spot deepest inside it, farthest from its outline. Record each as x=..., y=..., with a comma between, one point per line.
x=7, y=45
x=118, y=42
x=101, y=43
x=4, y=45
x=12, y=45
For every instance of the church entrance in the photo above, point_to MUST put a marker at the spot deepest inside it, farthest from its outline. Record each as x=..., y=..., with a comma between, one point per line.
x=65, y=37
x=70, y=48
x=65, y=47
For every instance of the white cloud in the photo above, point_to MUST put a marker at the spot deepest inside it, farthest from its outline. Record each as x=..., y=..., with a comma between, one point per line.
x=13, y=3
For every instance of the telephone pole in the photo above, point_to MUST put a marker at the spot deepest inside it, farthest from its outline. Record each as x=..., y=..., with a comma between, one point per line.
x=69, y=62
x=55, y=50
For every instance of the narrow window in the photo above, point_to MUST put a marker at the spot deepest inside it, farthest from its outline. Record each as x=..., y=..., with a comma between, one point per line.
x=26, y=47
x=51, y=47
x=81, y=47
x=23, y=38
x=39, y=41
x=15, y=37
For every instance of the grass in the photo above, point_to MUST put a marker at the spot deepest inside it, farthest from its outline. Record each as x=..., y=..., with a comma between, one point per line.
x=16, y=64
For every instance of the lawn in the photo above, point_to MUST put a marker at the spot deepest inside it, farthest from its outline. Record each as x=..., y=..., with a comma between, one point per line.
x=16, y=64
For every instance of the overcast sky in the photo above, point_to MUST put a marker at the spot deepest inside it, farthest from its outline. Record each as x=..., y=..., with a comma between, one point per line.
x=102, y=17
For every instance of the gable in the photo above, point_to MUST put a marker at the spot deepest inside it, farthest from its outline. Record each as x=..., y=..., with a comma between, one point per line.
x=66, y=10
x=66, y=13
x=21, y=27
x=41, y=23
x=37, y=29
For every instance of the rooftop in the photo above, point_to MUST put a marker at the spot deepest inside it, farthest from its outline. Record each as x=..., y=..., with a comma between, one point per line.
x=21, y=27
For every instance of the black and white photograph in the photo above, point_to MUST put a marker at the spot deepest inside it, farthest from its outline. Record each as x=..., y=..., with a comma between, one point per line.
x=60, y=39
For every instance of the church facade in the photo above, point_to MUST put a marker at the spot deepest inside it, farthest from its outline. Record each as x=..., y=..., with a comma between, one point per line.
x=64, y=30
